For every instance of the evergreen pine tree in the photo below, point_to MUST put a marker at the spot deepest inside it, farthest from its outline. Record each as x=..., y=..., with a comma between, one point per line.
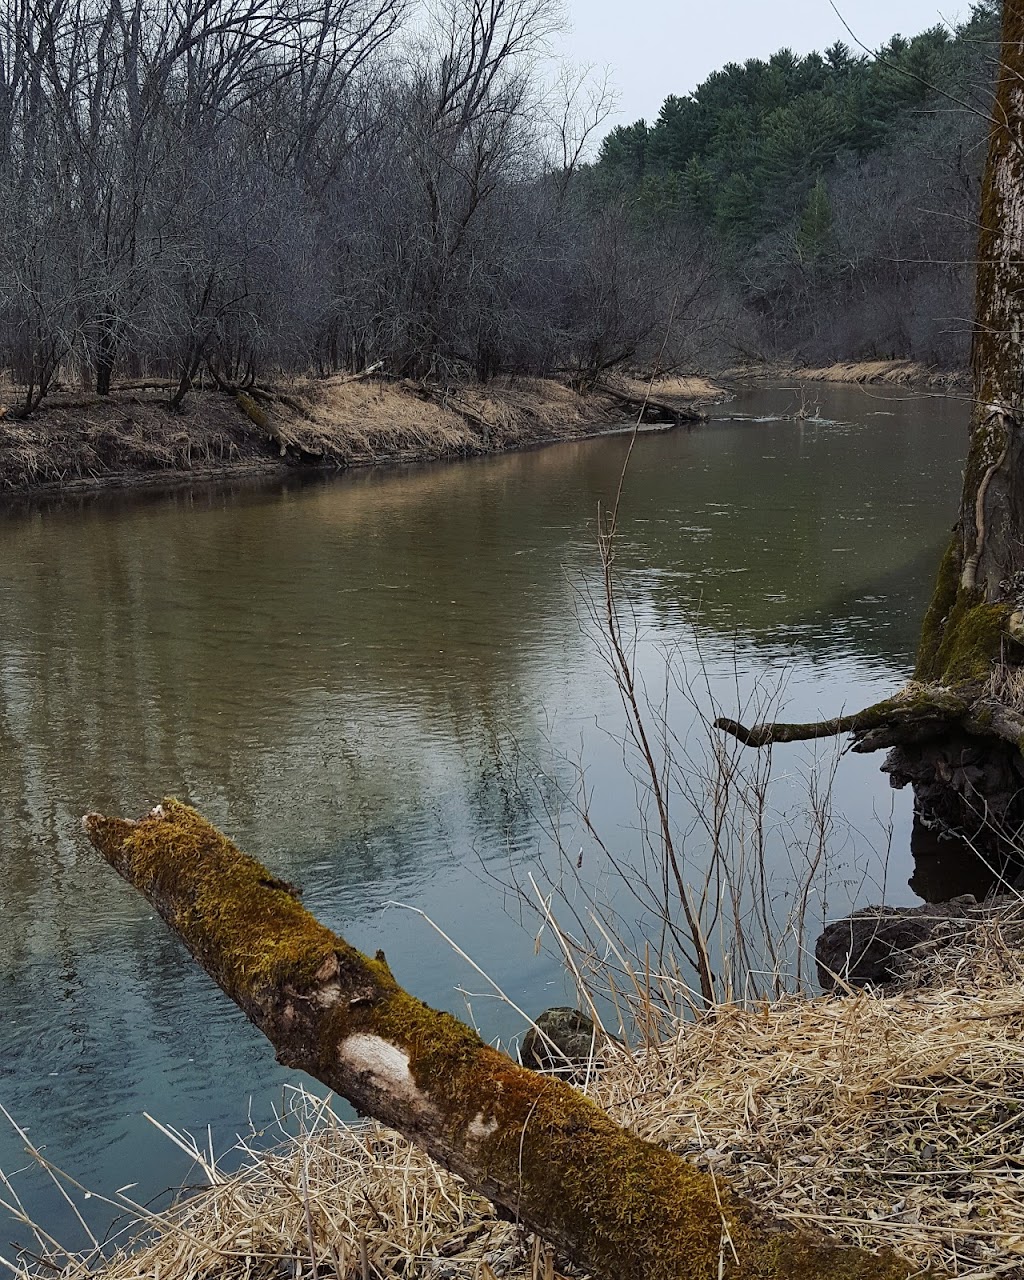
x=814, y=238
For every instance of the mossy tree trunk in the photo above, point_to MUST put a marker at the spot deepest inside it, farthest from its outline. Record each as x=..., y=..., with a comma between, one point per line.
x=957, y=732
x=985, y=565
x=542, y=1152
x=971, y=637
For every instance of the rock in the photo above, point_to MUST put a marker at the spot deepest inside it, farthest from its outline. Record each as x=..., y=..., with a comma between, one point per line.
x=572, y=1037
x=876, y=946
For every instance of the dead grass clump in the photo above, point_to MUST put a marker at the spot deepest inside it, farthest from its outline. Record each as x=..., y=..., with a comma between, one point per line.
x=694, y=387
x=892, y=372
x=895, y=1121
x=1006, y=684
x=338, y=1200
x=362, y=421
x=892, y=1121
x=82, y=441
x=356, y=422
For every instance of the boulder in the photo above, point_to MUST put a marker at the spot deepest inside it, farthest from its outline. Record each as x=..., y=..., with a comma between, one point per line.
x=877, y=946
x=561, y=1042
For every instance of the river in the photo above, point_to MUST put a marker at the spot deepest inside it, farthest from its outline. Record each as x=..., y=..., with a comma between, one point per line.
x=360, y=677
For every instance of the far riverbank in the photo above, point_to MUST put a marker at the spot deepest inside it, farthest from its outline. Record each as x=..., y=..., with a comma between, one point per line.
x=133, y=438
x=904, y=373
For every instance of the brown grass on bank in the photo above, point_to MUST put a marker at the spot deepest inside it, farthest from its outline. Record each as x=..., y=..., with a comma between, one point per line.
x=893, y=1121
x=909, y=373
x=693, y=387
x=362, y=421
x=78, y=440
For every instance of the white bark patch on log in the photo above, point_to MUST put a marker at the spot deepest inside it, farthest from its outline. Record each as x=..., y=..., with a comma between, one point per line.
x=481, y=1128
x=385, y=1064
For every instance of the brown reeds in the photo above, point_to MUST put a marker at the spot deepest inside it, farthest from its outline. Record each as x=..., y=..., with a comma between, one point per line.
x=895, y=1121
x=133, y=436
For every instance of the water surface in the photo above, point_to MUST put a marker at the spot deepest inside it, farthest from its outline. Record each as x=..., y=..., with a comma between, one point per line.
x=339, y=674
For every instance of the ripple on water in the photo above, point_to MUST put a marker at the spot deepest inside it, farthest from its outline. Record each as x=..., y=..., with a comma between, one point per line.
x=357, y=678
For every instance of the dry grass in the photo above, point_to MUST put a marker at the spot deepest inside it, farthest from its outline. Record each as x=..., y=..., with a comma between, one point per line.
x=79, y=440
x=364, y=420
x=893, y=372
x=1006, y=683
x=337, y=1200
x=694, y=387
x=85, y=440
x=882, y=1121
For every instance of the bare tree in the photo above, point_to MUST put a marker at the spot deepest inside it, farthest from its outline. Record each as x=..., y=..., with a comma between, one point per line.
x=208, y=189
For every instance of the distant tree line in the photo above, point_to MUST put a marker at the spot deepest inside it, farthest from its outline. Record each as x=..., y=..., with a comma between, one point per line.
x=841, y=190
x=236, y=189
x=233, y=190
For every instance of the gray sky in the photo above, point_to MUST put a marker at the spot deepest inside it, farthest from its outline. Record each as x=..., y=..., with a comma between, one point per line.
x=657, y=47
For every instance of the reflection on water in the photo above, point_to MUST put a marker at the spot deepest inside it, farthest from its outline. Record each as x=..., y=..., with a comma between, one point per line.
x=946, y=867
x=325, y=670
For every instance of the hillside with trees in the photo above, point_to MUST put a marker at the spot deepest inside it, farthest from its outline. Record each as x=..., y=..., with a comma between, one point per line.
x=223, y=191
x=219, y=193
x=839, y=190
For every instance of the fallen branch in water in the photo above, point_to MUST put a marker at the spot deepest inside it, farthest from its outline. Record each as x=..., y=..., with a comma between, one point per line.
x=534, y=1146
x=910, y=716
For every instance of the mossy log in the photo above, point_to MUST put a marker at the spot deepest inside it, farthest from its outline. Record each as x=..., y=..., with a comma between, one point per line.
x=916, y=715
x=537, y=1148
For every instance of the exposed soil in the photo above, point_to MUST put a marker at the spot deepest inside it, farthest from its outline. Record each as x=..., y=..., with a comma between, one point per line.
x=133, y=437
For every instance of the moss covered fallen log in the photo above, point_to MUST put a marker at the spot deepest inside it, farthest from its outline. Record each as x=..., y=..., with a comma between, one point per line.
x=537, y=1148
x=913, y=715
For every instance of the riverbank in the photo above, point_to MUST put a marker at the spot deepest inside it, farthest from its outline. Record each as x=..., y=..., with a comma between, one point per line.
x=889, y=1121
x=133, y=437
x=904, y=373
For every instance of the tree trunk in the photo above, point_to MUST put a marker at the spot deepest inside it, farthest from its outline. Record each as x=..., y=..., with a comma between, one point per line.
x=957, y=732
x=105, y=350
x=538, y=1149
x=973, y=629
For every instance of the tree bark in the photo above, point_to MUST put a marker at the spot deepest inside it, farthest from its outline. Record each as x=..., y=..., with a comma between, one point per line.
x=537, y=1148
x=971, y=638
x=964, y=756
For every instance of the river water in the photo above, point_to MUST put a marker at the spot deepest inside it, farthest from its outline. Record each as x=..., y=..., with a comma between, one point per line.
x=361, y=678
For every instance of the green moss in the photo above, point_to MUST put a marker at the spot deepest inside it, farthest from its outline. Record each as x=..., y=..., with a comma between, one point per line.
x=962, y=635
x=972, y=640
x=942, y=602
x=218, y=897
